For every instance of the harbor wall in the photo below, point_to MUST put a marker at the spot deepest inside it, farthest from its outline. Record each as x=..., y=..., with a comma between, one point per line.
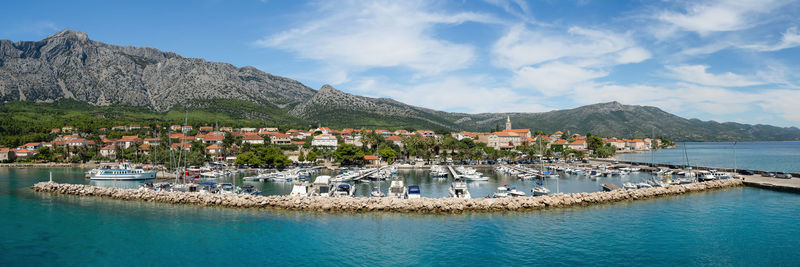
x=665, y=165
x=366, y=204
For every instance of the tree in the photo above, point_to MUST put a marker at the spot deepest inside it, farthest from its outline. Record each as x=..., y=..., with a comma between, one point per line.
x=594, y=142
x=248, y=158
x=388, y=154
x=301, y=157
x=348, y=154
x=312, y=156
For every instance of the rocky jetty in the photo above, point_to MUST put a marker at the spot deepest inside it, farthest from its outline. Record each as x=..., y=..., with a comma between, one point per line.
x=363, y=204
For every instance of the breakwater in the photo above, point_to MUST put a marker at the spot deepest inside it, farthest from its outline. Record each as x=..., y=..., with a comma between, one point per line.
x=364, y=204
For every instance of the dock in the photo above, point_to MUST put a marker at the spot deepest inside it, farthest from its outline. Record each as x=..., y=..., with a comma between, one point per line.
x=453, y=172
x=786, y=185
x=366, y=174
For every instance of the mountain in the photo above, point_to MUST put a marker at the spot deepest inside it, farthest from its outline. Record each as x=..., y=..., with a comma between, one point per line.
x=68, y=67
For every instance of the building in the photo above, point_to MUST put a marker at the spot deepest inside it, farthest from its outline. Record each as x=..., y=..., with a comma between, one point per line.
x=253, y=139
x=578, y=145
x=508, y=122
x=212, y=139
x=7, y=154
x=503, y=140
x=24, y=153
x=325, y=141
x=371, y=160
x=397, y=140
x=206, y=128
x=465, y=135
x=636, y=144
x=426, y=133
x=32, y=146
x=109, y=151
x=186, y=146
x=152, y=141
x=213, y=150
x=280, y=139
x=80, y=142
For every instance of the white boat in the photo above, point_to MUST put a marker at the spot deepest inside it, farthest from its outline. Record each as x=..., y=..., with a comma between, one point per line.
x=458, y=189
x=122, y=172
x=413, y=192
x=397, y=189
x=513, y=192
x=321, y=186
x=644, y=185
x=299, y=190
x=539, y=190
x=475, y=177
x=376, y=192
x=502, y=192
x=703, y=176
x=629, y=186
x=343, y=190
x=226, y=188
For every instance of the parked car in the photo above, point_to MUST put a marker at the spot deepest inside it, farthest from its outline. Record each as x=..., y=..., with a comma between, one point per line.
x=768, y=174
x=746, y=172
x=784, y=175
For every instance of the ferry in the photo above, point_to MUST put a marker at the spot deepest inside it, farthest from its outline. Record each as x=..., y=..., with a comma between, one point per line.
x=123, y=172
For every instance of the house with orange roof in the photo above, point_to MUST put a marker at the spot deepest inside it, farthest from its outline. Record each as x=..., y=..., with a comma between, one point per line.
x=213, y=139
x=325, y=141
x=152, y=141
x=24, y=153
x=397, y=140
x=32, y=146
x=253, y=139
x=280, y=139
x=185, y=146
x=80, y=142
x=213, y=149
x=226, y=129
x=522, y=133
x=636, y=144
x=206, y=128
x=465, y=135
x=109, y=151
x=371, y=160
x=504, y=140
x=578, y=145
x=7, y=154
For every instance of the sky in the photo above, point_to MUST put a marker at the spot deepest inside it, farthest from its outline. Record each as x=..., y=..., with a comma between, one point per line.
x=728, y=60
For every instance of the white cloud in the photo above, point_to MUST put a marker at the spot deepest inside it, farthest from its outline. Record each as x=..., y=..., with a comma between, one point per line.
x=379, y=34
x=553, y=78
x=719, y=16
x=472, y=94
x=698, y=74
x=789, y=39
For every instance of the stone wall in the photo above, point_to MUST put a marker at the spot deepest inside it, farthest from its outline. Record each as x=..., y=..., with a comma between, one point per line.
x=362, y=204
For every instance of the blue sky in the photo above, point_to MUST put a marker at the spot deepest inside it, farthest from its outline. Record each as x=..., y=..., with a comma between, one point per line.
x=712, y=60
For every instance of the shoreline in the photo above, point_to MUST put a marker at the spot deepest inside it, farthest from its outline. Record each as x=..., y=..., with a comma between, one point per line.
x=368, y=204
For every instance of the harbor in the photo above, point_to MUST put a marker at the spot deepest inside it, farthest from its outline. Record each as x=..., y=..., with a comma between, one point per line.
x=364, y=204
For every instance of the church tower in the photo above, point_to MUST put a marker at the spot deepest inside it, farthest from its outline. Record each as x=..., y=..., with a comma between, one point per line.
x=508, y=123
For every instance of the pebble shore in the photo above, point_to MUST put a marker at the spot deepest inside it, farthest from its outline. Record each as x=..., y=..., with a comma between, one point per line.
x=366, y=204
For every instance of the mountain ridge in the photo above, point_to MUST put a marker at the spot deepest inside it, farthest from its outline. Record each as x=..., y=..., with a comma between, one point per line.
x=70, y=65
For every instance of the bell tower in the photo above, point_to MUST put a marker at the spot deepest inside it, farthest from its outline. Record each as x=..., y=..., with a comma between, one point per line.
x=508, y=123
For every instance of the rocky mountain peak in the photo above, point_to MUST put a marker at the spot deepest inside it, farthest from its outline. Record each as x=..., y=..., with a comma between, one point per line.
x=70, y=34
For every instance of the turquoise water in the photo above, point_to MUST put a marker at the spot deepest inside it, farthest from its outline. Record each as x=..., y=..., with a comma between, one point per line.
x=738, y=226
x=768, y=156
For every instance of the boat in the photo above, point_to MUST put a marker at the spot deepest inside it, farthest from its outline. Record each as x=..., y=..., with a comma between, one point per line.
x=226, y=188
x=629, y=186
x=321, y=186
x=249, y=190
x=376, y=192
x=343, y=190
x=397, y=189
x=123, y=172
x=413, y=192
x=299, y=190
x=703, y=176
x=475, y=177
x=539, y=190
x=513, y=192
x=458, y=189
x=438, y=171
x=502, y=192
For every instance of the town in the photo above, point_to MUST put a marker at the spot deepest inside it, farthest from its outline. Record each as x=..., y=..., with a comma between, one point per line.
x=270, y=147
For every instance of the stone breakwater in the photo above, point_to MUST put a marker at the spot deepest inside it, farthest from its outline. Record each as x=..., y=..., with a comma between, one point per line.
x=364, y=204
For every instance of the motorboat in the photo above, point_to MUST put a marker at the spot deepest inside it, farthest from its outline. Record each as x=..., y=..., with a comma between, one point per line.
x=502, y=192
x=343, y=190
x=250, y=190
x=458, y=189
x=226, y=188
x=629, y=186
x=299, y=189
x=539, y=190
x=123, y=172
x=321, y=186
x=513, y=192
x=413, y=192
x=397, y=189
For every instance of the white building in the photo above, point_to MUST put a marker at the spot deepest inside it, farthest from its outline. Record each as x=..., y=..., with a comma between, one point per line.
x=325, y=140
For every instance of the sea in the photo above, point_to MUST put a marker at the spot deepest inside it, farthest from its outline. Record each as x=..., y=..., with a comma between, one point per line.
x=765, y=156
x=731, y=227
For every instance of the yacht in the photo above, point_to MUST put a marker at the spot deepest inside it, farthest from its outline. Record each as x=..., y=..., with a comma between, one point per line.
x=703, y=176
x=397, y=189
x=299, y=190
x=250, y=190
x=344, y=190
x=629, y=186
x=122, y=172
x=458, y=189
x=321, y=186
x=226, y=188
x=413, y=192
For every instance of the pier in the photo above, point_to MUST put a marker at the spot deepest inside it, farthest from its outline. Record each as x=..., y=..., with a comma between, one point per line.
x=366, y=204
x=453, y=172
x=366, y=174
